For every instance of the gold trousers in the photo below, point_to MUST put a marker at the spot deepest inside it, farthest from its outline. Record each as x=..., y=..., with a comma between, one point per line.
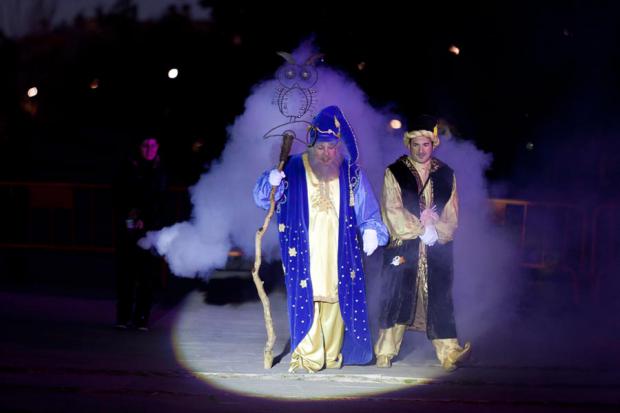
x=321, y=346
x=447, y=350
x=390, y=339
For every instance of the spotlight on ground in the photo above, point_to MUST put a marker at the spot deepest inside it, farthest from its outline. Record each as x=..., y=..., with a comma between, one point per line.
x=222, y=345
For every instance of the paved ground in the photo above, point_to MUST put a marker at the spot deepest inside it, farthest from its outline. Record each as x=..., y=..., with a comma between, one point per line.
x=59, y=353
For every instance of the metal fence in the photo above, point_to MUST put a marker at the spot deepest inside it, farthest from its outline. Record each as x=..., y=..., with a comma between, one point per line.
x=551, y=237
x=604, y=268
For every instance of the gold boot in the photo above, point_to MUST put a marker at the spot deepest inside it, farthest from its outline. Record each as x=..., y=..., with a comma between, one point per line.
x=384, y=362
x=450, y=353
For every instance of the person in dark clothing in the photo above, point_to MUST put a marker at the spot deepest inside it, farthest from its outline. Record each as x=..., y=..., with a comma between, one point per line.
x=419, y=205
x=140, y=193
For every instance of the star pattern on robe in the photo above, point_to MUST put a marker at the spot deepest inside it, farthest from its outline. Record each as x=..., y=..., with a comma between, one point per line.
x=303, y=283
x=352, y=274
x=281, y=227
x=292, y=252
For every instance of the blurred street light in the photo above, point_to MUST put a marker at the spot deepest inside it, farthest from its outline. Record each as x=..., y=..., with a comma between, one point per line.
x=396, y=124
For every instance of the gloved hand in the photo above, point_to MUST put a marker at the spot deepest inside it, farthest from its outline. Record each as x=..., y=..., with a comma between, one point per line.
x=275, y=177
x=430, y=236
x=370, y=240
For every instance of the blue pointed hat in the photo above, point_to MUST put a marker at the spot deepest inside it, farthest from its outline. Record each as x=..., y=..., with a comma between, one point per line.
x=330, y=124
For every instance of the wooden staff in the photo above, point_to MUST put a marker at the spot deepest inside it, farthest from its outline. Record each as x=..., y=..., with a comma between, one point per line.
x=287, y=143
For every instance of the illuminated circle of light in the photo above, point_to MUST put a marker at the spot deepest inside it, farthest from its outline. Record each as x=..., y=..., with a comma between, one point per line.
x=454, y=50
x=223, y=346
x=529, y=146
x=173, y=73
x=396, y=124
x=32, y=92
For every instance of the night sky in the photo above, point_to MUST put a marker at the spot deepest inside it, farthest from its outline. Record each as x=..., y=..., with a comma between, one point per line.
x=535, y=83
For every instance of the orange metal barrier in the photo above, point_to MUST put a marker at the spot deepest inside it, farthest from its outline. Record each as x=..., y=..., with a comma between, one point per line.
x=551, y=237
x=604, y=274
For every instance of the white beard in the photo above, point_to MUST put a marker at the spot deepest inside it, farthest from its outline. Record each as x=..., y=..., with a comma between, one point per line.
x=325, y=171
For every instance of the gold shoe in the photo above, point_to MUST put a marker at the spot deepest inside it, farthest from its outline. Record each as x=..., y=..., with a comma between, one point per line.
x=301, y=365
x=334, y=364
x=384, y=362
x=455, y=357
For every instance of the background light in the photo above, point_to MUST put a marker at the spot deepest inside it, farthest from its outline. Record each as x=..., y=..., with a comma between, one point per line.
x=32, y=92
x=454, y=50
x=173, y=73
x=396, y=124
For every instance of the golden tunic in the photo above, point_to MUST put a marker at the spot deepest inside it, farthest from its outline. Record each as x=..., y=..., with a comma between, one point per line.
x=323, y=211
x=401, y=223
x=322, y=345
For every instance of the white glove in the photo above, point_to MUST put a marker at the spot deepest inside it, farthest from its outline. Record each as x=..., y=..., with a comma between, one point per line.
x=370, y=240
x=275, y=177
x=430, y=236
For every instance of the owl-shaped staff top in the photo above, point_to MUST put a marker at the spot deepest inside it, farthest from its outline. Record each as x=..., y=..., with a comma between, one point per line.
x=294, y=96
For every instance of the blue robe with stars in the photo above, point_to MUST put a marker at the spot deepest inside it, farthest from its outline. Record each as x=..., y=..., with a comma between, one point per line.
x=292, y=213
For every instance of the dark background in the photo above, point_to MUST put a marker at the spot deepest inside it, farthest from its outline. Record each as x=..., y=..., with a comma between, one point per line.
x=539, y=74
x=543, y=73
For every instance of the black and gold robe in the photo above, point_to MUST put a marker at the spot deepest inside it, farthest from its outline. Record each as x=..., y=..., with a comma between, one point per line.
x=417, y=288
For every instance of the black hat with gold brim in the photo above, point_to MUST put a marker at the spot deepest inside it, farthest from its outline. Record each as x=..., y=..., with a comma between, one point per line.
x=422, y=126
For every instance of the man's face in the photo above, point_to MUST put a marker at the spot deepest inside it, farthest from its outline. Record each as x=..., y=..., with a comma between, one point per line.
x=149, y=148
x=326, y=152
x=421, y=149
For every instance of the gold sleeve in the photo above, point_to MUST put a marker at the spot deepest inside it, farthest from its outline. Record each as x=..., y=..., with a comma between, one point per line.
x=448, y=220
x=401, y=223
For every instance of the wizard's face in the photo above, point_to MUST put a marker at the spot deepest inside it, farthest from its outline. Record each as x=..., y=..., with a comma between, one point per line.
x=326, y=152
x=325, y=159
x=421, y=149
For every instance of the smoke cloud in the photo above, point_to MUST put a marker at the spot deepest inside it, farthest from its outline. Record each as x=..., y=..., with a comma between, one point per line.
x=224, y=214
